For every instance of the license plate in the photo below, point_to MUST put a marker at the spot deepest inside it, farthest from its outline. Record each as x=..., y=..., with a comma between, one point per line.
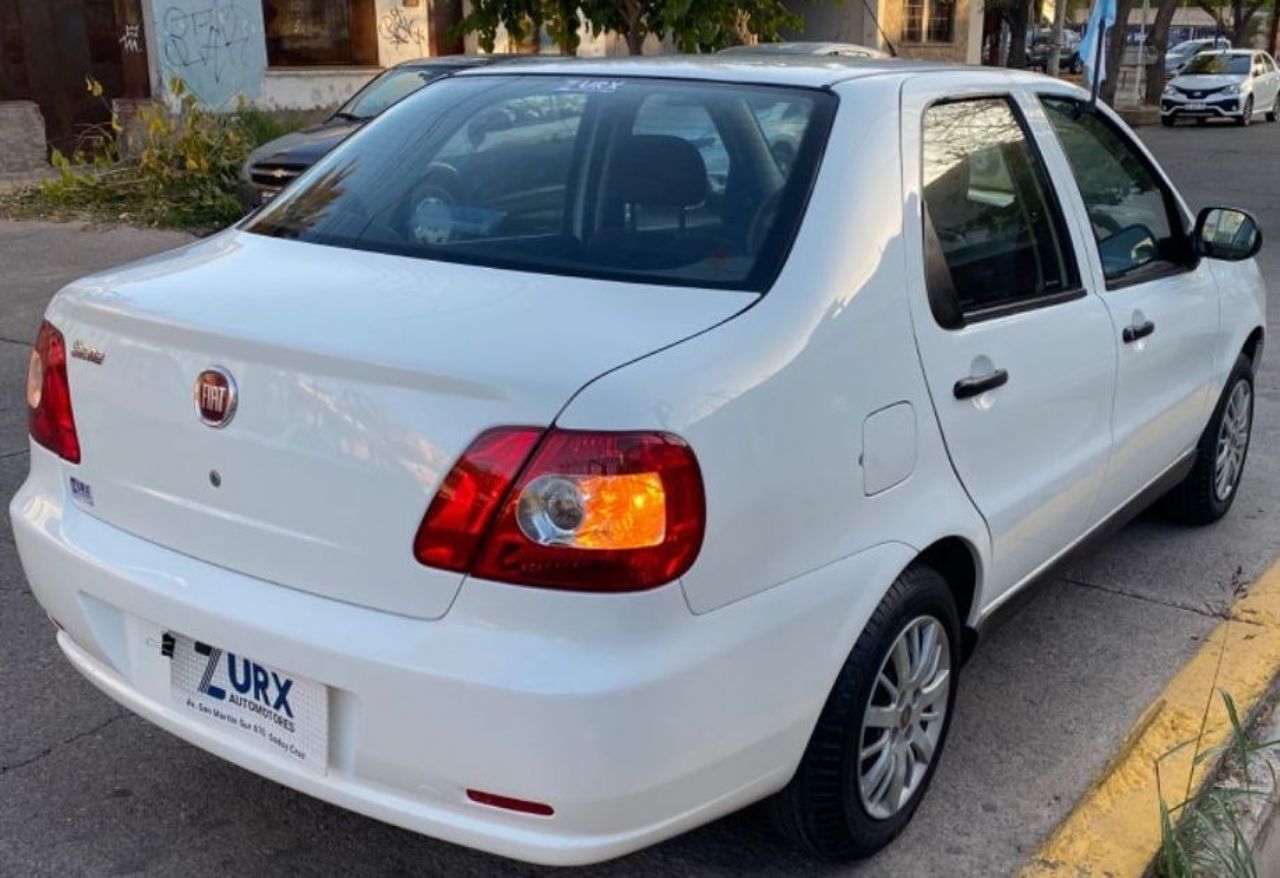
x=285, y=714
x=1196, y=105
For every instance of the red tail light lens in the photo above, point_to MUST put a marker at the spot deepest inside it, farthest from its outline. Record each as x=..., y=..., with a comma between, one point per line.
x=455, y=522
x=49, y=395
x=604, y=512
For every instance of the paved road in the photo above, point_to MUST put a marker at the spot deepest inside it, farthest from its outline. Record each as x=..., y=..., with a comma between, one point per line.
x=88, y=789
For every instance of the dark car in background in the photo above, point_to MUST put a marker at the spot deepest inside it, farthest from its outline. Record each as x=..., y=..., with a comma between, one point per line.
x=1042, y=42
x=274, y=165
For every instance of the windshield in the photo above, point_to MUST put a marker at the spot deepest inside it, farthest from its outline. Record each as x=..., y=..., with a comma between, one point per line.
x=1238, y=65
x=1185, y=48
x=387, y=89
x=685, y=183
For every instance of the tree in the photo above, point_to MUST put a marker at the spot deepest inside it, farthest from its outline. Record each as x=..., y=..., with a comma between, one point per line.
x=1115, y=51
x=694, y=25
x=1159, y=42
x=523, y=20
x=1018, y=25
x=1235, y=17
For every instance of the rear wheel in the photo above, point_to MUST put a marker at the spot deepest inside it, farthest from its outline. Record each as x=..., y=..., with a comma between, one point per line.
x=883, y=728
x=1274, y=113
x=1210, y=488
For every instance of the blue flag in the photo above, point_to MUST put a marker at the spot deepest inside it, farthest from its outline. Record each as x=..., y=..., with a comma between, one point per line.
x=1101, y=16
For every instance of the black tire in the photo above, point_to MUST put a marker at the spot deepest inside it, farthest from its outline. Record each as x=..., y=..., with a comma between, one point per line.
x=1168, y=121
x=1196, y=501
x=1246, y=116
x=821, y=810
x=1274, y=113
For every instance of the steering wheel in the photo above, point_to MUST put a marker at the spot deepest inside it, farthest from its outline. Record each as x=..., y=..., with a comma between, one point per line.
x=430, y=219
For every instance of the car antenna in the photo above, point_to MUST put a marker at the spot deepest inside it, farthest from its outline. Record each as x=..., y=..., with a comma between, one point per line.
x=893, y=51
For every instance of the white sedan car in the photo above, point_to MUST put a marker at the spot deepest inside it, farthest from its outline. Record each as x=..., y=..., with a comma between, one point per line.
x=511, y=480
x=1236, y=84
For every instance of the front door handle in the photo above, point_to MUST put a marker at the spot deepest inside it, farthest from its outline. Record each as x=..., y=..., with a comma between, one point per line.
x=969, y=387
x=1137, y=330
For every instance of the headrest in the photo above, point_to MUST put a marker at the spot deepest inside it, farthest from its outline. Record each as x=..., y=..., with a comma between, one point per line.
x=658, y=170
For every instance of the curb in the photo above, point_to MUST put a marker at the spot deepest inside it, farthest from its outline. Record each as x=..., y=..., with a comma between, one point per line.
x=1114, y=829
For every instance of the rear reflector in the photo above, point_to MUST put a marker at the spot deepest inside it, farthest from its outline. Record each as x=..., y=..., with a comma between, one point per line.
x=49, y=395
x=571, y=509
x=509, y=804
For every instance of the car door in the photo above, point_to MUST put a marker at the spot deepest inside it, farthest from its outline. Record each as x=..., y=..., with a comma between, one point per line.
x=1266, y=82
x=1018, y=356
x=1162, y=299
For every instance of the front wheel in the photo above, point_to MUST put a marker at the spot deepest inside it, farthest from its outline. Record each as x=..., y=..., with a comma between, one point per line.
x=1168, y=121
x=1210, y=488
x=883, y=727
x=1246, y=116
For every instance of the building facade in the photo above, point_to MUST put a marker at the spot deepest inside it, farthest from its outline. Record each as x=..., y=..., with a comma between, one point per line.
x=941, y=30
x=277, y=53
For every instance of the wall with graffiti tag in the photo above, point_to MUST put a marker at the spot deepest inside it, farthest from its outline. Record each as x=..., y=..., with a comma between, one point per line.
x=215, y=46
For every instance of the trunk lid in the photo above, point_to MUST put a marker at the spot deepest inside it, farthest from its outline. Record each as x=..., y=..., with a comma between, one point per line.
x=361, y=377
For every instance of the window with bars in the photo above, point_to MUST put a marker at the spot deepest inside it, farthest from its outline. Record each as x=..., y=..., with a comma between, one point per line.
x=928, y=21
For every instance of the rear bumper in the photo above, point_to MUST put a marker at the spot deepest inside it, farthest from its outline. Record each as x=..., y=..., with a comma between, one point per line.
x=633, y=718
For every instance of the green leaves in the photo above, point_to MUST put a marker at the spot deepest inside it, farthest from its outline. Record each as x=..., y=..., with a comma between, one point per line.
x=693, y=25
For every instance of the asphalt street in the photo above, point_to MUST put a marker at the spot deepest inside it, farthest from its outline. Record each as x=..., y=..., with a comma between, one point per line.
x=88, y=789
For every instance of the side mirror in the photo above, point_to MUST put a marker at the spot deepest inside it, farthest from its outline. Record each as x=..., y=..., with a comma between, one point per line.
x=1226, y=233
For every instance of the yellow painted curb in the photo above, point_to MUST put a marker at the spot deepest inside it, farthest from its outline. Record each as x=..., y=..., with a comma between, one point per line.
x=1114, y=830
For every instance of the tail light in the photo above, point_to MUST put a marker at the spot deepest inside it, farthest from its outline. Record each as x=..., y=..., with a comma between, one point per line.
x=576, y=510
x=49, y=395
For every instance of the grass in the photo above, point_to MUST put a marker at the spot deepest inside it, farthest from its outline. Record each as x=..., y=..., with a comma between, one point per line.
x=1202, y=834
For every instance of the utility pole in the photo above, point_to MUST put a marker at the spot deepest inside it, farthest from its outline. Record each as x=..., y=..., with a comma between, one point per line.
x=1052, y=63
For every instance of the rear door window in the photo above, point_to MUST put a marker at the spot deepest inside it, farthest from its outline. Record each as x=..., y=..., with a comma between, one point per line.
x=990, y=212
x=685, y=183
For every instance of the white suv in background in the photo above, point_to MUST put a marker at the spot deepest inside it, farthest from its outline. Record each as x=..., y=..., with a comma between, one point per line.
x=520, y=479
x=1237, y=84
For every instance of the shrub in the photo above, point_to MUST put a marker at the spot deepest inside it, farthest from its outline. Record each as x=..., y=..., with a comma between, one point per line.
x=182, y=170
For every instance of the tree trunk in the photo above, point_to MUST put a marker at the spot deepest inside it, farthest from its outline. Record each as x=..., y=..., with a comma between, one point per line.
x=1115, y=51
x=1159, y=42
x=1054, y=61
x=1018, y=34
x=635, y=41
x=1275, y=27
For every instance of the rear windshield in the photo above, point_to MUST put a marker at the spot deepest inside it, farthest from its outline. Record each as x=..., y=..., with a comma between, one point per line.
x=388, y=88
x=1219, y=64
x=685, y=183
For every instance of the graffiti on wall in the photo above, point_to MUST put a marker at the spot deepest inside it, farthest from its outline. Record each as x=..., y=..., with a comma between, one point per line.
x=215, y=46
x=400, y=30
x=131, y=39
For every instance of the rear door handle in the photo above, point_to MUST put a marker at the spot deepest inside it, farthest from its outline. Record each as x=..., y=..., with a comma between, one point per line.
x=969, y=387
x=1137, y=330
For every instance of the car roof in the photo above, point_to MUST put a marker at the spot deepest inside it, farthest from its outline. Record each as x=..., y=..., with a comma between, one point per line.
x=798, y=48
x=472, y=60
x=809, y=71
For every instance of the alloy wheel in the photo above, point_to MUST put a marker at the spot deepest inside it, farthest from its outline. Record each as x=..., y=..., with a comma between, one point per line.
x=1233, y=440
x=904, y=717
